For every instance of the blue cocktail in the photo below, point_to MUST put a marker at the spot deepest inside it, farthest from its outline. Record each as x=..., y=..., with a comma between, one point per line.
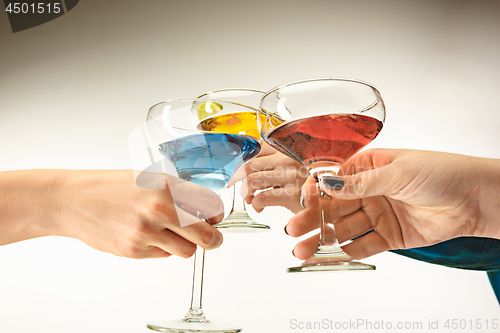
x=210, y=159
x=176, y=146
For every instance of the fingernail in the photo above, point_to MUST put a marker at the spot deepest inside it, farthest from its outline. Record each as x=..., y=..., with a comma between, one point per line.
x=302, y=200
x=286, y=232
x=333, y=182
x=293, y=254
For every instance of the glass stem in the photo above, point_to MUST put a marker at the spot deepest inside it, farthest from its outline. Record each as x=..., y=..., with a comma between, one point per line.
x=238, y=201
x=328, y=243
x=195, y=313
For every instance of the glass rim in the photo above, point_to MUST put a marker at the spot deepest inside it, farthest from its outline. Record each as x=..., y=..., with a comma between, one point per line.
x=232, y=89
x=193, y=100
x=149, y=118
x=338, y=79
x=262, y=92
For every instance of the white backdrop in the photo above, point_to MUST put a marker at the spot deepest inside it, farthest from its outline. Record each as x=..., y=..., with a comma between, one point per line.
x=74, y=88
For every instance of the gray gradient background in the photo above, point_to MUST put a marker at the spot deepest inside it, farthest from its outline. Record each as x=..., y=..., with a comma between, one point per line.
x=74, y=88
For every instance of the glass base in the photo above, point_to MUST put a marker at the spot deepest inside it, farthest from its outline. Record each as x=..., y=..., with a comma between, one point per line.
x=335, y=266
x=183, y=326
x=336, y=260
x=240, y=220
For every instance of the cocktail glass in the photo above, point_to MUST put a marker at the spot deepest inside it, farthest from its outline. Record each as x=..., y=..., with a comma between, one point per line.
x=205, y=158
x=214, y=120
x=321, y=123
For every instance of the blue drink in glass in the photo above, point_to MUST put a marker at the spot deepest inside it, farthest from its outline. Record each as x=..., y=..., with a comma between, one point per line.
x=210, y=159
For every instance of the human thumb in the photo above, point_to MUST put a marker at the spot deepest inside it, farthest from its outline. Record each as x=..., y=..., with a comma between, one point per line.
x=360, y=185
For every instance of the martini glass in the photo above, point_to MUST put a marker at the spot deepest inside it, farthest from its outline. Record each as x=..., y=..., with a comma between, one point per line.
x=214, y=119
x=321, y=123
x=205, y=158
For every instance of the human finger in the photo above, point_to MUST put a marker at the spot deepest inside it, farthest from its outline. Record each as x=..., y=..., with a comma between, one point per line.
x=155, y=252
x=169, y=190
x=140, y=252
x=193, y=197
x=256, y=165
x=171, y=242
x=367, y=174
x=266, y=149
x=192, y=228
x=303, y=222
x=310, y=192
x=310, y=198
x=353, y=225
x=305, y=249
x=279, y=177
x=366, y=246
x=368, y=160
x=287, y=197
x=265, y=163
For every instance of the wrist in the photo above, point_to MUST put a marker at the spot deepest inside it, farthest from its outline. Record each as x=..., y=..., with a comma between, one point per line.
x=29, y=207
x=489, y=198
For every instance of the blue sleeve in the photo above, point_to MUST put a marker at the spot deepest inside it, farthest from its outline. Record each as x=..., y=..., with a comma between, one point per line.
x=473, y=253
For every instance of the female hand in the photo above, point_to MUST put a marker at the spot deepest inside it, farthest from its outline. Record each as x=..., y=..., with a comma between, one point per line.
x=406, y=198
x=278, y=177
x=109, y=212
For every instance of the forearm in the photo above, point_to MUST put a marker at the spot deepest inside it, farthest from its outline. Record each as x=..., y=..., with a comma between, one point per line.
x=488, y=196
x=29, y=204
